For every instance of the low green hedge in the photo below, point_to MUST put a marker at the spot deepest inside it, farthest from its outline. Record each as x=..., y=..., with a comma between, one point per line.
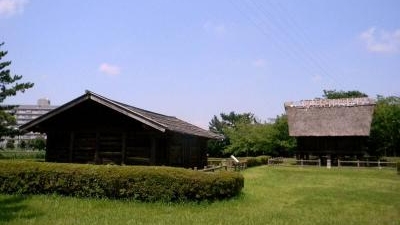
x=257, y=161
x=143, y=183
x=22, y=154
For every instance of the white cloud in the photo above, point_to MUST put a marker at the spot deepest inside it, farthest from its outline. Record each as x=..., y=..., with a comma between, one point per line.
x=12, y=7
x=217, y=29
x=259, y=63
x=109, y=69
x=381, y=41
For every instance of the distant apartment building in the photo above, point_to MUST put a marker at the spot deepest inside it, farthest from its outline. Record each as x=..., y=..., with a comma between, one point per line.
x=26, y=113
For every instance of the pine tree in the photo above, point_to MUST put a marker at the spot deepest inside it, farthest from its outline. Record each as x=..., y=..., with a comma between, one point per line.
x=9, y=86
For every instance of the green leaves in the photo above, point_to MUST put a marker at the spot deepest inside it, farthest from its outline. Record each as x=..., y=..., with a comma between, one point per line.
x=333, y=94
x=9, y=86
x=252, y=139
x=143, y=183
x=385, y=128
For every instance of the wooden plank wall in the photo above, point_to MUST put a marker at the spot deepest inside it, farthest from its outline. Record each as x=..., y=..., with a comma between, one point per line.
x=57, y=147
x=131, y=148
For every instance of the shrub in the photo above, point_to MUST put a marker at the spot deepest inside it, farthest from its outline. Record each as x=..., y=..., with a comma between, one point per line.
x=22, y=154
x=398, y=167
x=10, y=144
x=263, y=159
x=257, y=161
x=143, y=183
x=22, y=144
x=37, y=143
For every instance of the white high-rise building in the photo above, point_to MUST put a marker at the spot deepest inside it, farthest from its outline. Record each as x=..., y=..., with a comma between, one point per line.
x=26, y=113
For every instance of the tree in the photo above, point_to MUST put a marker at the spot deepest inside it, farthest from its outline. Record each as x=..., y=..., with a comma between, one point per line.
x=284, y=144
x=230, y=120
x=22, y=144
x=10, y=144
x=252, y=139
x=9, y=86
x=37, y=143
x=219, y=125
x=385, y=127
x=333, y=94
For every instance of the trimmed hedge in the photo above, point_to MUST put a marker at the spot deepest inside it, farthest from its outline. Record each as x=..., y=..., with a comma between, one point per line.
x=22, y=154
x=145, y=183
x=257, y=161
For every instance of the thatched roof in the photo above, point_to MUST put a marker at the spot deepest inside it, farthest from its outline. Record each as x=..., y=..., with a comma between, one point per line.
x=158, y=121
x=330, y=117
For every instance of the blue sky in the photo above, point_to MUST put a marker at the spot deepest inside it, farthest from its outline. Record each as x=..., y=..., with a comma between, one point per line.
x=196, y=59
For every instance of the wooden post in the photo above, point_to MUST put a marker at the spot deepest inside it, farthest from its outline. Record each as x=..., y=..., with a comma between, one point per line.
x=71, y=146
x=153, y=151
x=301, y=162
x=123, y=150
x=328, y=163
x=96, y=149
x=379, y=164
x=338, y=162
x=319, y=162
x=358, y=163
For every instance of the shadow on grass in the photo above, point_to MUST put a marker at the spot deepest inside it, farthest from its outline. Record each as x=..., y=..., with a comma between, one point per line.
x=15, y=207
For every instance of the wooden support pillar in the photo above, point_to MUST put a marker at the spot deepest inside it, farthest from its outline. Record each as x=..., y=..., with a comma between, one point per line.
x=123, y=150
x=71, y=146
x=153, y=151
x=96, y=149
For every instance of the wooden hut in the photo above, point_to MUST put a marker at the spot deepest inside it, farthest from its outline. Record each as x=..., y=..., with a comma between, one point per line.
x=330, y=127
x=95, y=129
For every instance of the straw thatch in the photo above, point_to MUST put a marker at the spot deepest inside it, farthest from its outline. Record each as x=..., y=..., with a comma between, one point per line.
x=330, y=117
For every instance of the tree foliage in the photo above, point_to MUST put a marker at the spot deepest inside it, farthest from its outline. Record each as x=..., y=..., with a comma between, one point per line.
x=38, y=143
x=220, y=124
x=230, y=120
x=9, y=86
x=333, y=94
x=261, y=138
x=385, y=128
x=246, y=136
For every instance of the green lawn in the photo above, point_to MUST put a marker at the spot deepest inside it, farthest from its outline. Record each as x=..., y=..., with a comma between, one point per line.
x=272, y=195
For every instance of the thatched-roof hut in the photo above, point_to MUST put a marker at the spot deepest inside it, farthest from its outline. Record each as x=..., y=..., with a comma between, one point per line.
x=330, y=126
x=95, y=129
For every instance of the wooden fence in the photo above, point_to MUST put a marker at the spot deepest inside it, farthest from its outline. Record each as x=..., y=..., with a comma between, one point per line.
x=224, y=164
x=360, y=163
x=300, y=162
x=340, y=163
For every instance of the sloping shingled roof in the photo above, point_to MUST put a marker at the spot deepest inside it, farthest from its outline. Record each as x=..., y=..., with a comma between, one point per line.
x=157, y=121
x=330, y=117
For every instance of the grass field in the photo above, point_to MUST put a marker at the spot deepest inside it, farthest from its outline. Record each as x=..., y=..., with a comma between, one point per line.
x=272, y=195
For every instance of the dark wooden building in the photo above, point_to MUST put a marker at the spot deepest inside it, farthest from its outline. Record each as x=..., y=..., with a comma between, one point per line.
x=330, y=127
x=95, y=129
